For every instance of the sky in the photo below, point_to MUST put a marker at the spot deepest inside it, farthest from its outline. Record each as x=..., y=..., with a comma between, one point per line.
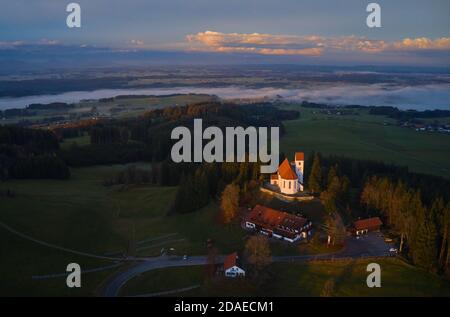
x=413, y=32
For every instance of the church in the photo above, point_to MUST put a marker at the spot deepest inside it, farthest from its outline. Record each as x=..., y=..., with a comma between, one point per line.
x=289, y=176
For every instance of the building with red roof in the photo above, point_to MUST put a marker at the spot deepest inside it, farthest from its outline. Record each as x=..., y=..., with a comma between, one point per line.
x=364, y=226
x=277, y=224
x=289, y=176
x=232, y=266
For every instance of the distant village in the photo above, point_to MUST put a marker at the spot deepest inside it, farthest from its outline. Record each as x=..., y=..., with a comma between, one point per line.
x=430, y=127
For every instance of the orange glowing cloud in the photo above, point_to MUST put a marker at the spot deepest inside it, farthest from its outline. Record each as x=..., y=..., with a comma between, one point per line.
x=442, y=43
x=313, y=45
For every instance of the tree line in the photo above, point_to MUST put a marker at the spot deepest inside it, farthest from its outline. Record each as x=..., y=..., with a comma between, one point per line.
x=109, y=135
x=148, y=137
x=423, y=228
x=395, y=113
x=209, y=181
x=414, y=206
x=359, y=171
x=30, y=153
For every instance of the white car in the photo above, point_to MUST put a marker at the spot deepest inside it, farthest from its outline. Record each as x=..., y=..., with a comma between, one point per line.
x=393, y=250
x=185, y=257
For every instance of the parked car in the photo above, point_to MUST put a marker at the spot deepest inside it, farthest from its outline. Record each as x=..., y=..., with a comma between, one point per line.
x=185, y=257
x=393, y=250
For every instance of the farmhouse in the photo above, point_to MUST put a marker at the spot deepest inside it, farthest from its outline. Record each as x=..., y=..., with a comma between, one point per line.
x=278, y=224
x=232, y=266
x=289, y=176
x=363, y=226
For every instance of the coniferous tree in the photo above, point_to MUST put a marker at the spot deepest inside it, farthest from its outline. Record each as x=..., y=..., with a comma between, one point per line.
x=332, y=173
x=315, y=177
x=441, y=216
x=425, y=247
x=335, y=229
x=183, y=199
x=201, y=189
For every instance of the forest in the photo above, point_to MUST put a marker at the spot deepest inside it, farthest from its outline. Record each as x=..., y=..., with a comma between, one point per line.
x=415, y=207
x=147, y=138
x=30, y=153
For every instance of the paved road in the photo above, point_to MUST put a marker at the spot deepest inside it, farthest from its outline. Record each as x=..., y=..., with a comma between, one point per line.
x=367, y=246
x=113, y=286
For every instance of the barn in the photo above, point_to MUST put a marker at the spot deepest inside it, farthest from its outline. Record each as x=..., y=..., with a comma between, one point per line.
x=278, y=224
x=363, y=226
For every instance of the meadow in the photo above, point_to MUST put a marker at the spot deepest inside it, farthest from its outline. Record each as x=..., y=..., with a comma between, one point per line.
x=82, y=214
x=365, y=136
x=297, y=279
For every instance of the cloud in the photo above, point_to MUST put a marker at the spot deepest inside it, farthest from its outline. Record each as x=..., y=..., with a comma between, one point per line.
x=48, y=42
x=313, y=51
x=5, y=45
x=265, y=44
x=17, y=44
x=442, y=43
x=313, y=45
x=137, y=42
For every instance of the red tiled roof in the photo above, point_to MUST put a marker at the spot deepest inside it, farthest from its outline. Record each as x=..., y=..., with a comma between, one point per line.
x=275, y=220
x=299, y=156
x=230, y=261
x=367, y=223
x=285, y=170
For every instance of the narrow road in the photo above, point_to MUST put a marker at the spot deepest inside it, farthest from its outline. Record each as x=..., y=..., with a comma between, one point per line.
x=371, y=245
x=113, y=286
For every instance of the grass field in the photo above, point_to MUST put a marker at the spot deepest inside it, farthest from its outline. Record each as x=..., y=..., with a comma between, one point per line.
x=367, y=136
x=120, y=108
x=164, y=280
x=291, y=279
x=82, y=214
x=80, y=141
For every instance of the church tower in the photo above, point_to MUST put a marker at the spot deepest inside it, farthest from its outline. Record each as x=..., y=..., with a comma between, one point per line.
x=300, y=167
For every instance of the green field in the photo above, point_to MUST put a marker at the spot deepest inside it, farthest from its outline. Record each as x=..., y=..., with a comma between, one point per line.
x=82, y=214
x=80, y=141
x=161, y=280
x=367, y=136
x=292, y=279
x=119, y=108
